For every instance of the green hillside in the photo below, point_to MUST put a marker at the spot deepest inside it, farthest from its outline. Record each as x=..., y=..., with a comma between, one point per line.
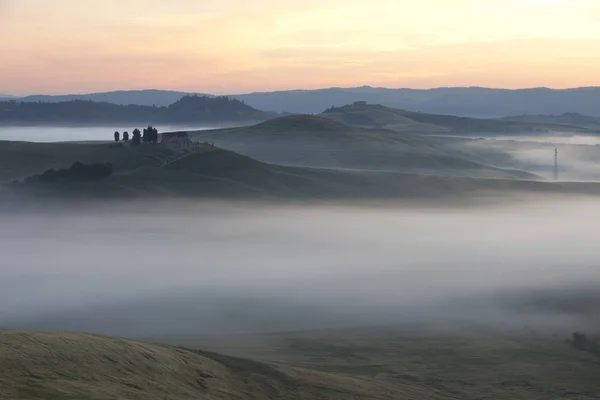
x=21, y=159
x=366, y=363
x=225, y=174
x=68, y=366
x=569, y=119
x=378, y=116
x=454, y=363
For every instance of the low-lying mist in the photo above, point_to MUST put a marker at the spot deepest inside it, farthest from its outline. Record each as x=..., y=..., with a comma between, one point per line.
x=181, y=268
x=578, y=156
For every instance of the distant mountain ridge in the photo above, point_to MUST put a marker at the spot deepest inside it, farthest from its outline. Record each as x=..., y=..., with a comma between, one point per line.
x=470, y=101
x=188, y=109
x=461, y=101
x=149, y=97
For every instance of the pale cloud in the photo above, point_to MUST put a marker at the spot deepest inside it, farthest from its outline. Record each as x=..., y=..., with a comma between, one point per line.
x=236, y=45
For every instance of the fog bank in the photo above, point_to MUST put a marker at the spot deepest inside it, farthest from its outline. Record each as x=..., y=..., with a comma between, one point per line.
x=184, y=268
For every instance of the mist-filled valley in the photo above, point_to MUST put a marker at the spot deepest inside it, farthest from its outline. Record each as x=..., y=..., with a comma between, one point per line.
x=366, y=252
x=339, y=258
x=299, y=200
x=177, y=268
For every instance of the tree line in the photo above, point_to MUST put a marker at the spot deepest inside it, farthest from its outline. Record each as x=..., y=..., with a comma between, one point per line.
x=188, y=109
x=77, y=172
x=150, y=135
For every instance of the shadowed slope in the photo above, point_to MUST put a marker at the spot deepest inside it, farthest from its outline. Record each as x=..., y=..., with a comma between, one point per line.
x=218, y=173
x=21, y=159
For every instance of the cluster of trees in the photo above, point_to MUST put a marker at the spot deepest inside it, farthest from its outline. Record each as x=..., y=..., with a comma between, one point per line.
x=150, y=136
x=77, y=171
x=118, y=136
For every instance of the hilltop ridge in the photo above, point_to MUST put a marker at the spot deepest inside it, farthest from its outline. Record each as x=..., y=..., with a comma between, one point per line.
x=302, y=121
x=378, y=116
x=319, y=142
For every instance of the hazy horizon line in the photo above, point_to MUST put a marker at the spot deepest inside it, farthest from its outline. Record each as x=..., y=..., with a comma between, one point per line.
x=299, y=90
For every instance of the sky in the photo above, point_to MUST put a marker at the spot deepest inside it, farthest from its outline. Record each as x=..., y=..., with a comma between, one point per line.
x=239, y=46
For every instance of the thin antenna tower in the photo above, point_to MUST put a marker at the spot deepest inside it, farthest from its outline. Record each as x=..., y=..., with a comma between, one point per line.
x=555, y=164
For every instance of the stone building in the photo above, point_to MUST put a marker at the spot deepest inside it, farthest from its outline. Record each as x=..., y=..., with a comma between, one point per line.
x=176, y=139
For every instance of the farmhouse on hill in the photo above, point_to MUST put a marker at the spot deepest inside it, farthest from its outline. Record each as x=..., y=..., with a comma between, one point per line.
x=176, y=139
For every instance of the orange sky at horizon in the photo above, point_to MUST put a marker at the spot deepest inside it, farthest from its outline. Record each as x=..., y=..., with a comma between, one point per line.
x=236, y=46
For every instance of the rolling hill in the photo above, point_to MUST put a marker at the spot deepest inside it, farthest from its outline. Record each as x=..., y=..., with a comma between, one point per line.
x=456, y=363
x=153, y=172
x=378, y=116
x=21, y=159
x=415, y=364
x=46, y=366
x=314, y=141
x=568, y=119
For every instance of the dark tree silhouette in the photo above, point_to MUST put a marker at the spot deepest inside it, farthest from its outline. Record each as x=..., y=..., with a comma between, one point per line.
x=150, y=135
x=137, y=137
x=77, y=171
x=116, y=136
x=154, y=136
x=125, y=136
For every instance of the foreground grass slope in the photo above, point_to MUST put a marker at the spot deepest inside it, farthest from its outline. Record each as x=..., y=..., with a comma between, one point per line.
x=369, y=363
x=475, y=363
x=43, y=365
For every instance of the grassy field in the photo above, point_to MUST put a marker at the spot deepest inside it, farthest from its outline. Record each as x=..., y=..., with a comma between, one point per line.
x=21, y=159
x=224, y=174
x=53, y=366
x=449, y=364
x=369, y=363
x=156, y=171
x=378, y=116
x=305, y=157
